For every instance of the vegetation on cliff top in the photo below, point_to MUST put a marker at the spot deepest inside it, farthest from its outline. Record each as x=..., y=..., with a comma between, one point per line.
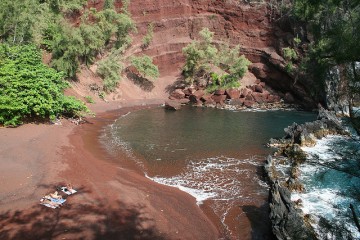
x=73, y=34
x=334, y=27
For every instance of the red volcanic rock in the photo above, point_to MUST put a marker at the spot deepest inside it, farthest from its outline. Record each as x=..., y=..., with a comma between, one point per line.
x=263, y=84
x=266, y=94
x=259, y=69
x=233, y=93
x=206, y=97
x=219, y=92
x=189, y=91
x=249, y=97
x=258, y=97
x=237, y=102
x=177, y=94
x=248, y=103
x=245, y=92
x=271, y=99
x=172, y=105
x=196, y=96
x=258, y=88
x=184, y=101
x=209, y=102
x=219, y=98
x=257, y=81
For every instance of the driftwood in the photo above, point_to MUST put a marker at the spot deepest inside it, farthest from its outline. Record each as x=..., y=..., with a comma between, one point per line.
x=356, y=220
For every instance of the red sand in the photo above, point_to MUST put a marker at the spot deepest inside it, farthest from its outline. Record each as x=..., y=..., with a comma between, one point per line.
x=113, y=202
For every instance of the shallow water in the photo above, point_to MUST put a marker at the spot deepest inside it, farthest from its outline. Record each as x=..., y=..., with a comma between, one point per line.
x=214, y=155
x=331, y=178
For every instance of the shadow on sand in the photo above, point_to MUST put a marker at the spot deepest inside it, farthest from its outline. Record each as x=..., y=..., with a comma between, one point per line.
x=144, y=83
x=79, y=221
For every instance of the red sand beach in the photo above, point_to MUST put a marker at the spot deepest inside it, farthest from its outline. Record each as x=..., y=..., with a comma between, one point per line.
x=113, y=201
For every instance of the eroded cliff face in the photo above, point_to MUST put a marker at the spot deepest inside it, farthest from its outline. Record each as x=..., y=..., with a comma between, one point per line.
x=177, y=23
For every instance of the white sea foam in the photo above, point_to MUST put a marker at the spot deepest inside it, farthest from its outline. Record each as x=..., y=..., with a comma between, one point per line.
x=215, y=178
x=325, y=194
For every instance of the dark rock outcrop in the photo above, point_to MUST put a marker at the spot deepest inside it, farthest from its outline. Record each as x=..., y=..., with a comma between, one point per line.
x=287, y=221
x=307, y=133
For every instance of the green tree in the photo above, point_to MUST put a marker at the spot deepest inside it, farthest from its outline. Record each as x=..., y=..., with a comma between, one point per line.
x=145, y=66
x=148, y=37
x=30, y=89
x=335, y=26
x=199, y=54
x=203, y=55
x=109, y=70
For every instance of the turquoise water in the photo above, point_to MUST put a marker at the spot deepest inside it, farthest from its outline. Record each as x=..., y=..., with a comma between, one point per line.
x=331, y=178
x=214, y=155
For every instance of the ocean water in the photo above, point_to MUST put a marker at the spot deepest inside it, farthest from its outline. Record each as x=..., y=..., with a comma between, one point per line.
x=331, y=178
x=214, y=155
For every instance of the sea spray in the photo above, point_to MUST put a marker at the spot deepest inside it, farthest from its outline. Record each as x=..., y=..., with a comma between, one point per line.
x=332, y=183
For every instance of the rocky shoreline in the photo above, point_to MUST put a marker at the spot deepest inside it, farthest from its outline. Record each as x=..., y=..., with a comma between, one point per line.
x=255, y=96
x=288, y=220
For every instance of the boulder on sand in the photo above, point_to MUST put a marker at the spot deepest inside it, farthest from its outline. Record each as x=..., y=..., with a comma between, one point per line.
x=177, y=94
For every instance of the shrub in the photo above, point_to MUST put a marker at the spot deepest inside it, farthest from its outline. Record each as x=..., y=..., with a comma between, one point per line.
x=109, y=70
x=202, y=55
x=289, y=54
x=148, y=37
x=145, y=66
x=31, y=89
x=89, y=99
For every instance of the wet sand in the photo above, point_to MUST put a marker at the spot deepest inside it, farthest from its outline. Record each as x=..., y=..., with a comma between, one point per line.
x=114, y=202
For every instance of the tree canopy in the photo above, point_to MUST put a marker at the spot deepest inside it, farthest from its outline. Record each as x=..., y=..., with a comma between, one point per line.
x=30, y=89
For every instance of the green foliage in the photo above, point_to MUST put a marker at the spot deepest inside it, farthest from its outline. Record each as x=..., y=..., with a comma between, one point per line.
x=199, y=54
x=43, y=23
x=224, y=81
x=335, y=27
x=297, y=41
x=109, y=69
x=203, y=55
x=289, y=67
x=30, y=89
x=145, y=66
x=148, y=37
x=227, y=55
x=239, y=67
x=89, y=99
x=289, y=54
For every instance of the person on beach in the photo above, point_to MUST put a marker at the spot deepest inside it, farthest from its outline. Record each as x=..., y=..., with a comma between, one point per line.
x=55, y=195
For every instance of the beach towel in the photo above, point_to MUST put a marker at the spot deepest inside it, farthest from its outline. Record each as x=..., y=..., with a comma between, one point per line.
x=68, y=191
x=49, y=205
x=55, y=203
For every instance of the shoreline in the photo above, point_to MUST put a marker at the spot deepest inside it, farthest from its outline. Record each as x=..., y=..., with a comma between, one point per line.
x=78, y=158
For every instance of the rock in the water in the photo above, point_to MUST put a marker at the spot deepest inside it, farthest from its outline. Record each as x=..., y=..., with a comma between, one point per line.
x=287, y=222
x=172, y=105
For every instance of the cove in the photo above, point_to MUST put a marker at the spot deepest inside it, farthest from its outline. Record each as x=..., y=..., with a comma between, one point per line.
x=215, y=155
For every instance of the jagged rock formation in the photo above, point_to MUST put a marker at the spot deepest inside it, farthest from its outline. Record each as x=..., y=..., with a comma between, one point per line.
x=287, y=220
x=307, y=133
